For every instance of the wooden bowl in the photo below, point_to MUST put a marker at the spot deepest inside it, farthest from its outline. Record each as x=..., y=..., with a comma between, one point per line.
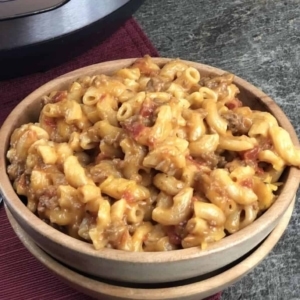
x=143, y=267
x=191, y=289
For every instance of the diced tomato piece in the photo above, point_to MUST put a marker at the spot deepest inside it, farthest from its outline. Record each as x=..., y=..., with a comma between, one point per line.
x=128, y=196
x=250, y=154
x=234, y=103
x=50, y=122
x=59, y=96
x=147, y=109
x=134, y=128
x=196, y=163
x=247, y=183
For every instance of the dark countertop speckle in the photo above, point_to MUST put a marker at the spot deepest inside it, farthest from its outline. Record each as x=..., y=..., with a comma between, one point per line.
x=258, y=40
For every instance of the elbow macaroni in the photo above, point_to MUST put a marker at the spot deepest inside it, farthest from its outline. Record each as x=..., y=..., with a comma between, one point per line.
x=151, y=158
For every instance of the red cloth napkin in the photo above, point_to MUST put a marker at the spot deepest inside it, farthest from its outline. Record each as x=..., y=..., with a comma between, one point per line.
x=21, y=275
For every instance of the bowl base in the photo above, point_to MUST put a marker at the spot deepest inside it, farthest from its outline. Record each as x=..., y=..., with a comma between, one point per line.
x=191, y=289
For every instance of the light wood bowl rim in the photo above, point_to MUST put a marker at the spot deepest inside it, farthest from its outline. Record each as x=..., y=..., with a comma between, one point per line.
x=268, y=218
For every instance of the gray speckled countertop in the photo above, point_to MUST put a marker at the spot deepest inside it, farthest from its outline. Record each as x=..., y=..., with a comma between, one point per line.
x=258, y=40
